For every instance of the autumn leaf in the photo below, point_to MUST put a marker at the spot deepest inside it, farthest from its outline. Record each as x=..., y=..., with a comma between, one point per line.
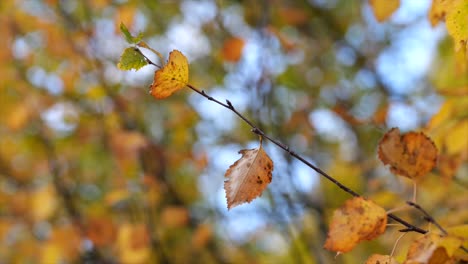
x=381, y=259
x=359, y=219
x=133, y=243
x=383, y=9
x=172, y=77
x=248, y=176
x=460, y=232
x=232, y=49
x=439, y=9
x=131, y=59
x=456, y=22
x=411, y=155
x=433, y=248
x=101, y=230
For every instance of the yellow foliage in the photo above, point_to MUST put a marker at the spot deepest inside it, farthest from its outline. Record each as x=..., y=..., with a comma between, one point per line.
x=133, y=244
x=44, y=202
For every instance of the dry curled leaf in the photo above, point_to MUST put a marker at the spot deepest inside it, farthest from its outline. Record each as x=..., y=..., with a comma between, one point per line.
x=359, y=219
x=411, y=155
x=172, y=77
x=248, y=176
x=433, y=248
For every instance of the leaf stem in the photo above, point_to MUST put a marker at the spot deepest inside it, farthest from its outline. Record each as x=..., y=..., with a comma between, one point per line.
x=146, y=58
x=258, y=131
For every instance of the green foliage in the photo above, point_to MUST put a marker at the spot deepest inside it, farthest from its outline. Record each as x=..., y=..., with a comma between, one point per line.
x=128, y=36
x=131, y=59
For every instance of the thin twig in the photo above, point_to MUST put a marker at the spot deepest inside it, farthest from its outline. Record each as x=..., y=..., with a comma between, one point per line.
x=431, y=219
x=427, y=216
x=258, y=131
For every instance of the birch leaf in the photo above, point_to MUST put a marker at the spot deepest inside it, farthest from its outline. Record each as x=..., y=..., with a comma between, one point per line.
x=359, y=219
x=411, y=155
x=248, y=177
x=128, y=36
x=131, y=59
x=172, y=77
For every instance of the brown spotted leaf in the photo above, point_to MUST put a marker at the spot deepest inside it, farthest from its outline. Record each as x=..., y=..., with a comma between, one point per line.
x=411, y=155
x=248, y=177
x=357, y=220
x=172, y=77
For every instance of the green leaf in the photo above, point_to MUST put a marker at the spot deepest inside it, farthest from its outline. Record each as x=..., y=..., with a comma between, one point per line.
x=129, y=37
x=131, y=59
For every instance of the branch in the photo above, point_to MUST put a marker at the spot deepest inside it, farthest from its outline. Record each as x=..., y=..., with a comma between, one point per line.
x=91, y=254
x=258, y=131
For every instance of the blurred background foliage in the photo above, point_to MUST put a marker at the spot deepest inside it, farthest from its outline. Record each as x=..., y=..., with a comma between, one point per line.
x=94, y=170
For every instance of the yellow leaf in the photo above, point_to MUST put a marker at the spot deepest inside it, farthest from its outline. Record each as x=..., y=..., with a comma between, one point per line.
x=383, y=9
x=357, y=220
x=172, y=77
x=445, y=112
x=19, y=116
x=433, y=248
x=460, y=231
x=411, y=155
x=248, y=176
x=51, y=253
x=457, y=22
x=43, y=203
x=133, y=244
x=457, y=139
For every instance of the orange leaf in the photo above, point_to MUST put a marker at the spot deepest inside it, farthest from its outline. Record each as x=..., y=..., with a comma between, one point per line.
x=101, y=230
x=381, y=259
x=232, y=49
x=411, y=155
x=248, y=176
x=359, y=219
x=174, y=216
x=172, y=77
x=439, y=9
x=294, y=16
